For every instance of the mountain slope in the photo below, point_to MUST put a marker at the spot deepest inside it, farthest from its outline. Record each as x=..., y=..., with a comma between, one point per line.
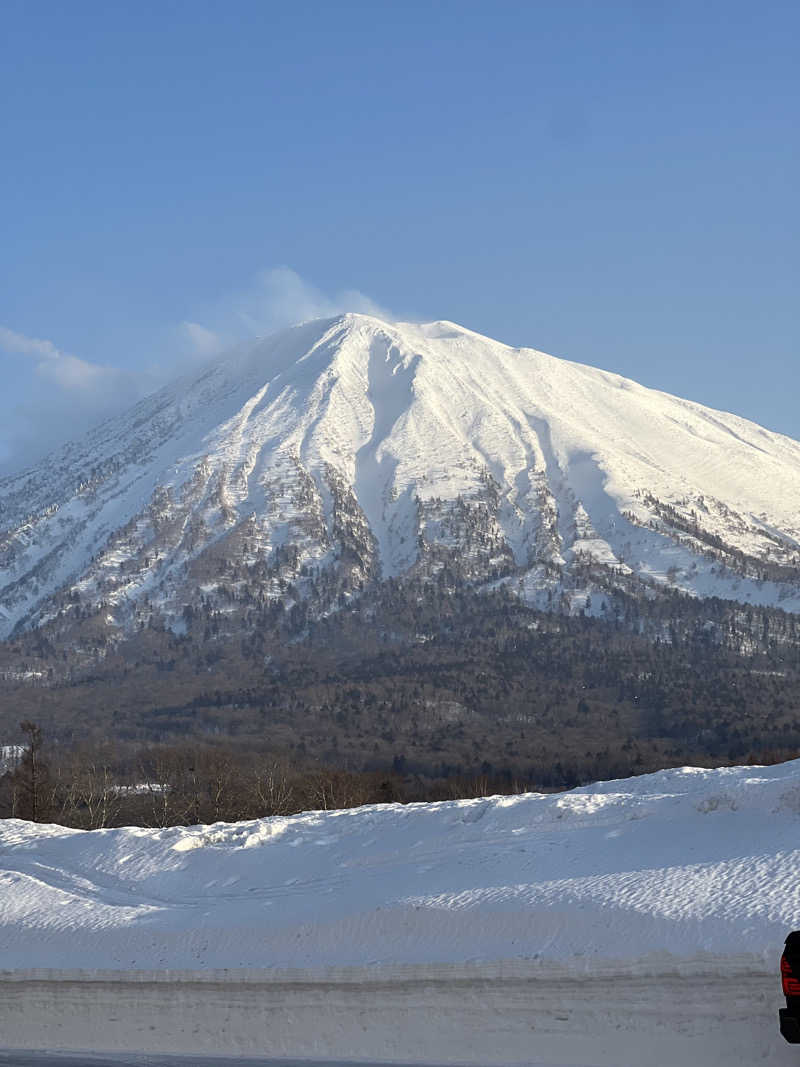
x=335, y=453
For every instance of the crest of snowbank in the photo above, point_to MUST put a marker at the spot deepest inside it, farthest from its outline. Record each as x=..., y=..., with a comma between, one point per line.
x=684, y=863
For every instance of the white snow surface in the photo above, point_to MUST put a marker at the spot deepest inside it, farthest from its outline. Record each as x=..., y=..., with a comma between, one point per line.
x=406, y=415
x=681, y=867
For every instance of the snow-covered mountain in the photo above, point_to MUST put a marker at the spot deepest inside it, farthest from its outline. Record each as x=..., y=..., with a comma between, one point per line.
x=343, y=451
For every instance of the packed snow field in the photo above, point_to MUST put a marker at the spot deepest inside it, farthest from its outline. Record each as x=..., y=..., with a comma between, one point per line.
x=578, y=928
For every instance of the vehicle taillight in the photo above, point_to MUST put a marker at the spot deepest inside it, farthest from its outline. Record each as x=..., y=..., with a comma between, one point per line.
x=791, y=985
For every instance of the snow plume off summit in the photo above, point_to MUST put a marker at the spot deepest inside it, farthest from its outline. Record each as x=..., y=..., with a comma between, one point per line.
x=346, y=451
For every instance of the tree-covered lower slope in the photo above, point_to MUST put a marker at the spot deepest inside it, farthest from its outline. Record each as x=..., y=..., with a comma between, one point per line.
x=430, y=681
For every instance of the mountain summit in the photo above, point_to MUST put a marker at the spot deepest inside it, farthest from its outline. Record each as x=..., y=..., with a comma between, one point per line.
x=343, y=452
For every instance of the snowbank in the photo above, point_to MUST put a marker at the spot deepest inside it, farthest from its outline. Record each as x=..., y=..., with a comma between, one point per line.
x=683, y=863
x=654, y=883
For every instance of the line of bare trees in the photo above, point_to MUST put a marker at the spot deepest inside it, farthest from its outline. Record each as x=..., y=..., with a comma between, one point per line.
x=191, y=784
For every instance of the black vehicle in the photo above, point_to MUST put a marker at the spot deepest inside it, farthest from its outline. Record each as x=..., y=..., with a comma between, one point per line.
x=790, y=980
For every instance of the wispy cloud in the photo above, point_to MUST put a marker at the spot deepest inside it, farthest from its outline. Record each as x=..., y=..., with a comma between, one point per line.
x=62, y=369
x=55, y=395
x=61, y=394
x=275, y=299
x=202, y=340
x=19, y=344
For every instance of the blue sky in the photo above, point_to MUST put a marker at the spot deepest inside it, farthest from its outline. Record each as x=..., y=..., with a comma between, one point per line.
x=615, y=183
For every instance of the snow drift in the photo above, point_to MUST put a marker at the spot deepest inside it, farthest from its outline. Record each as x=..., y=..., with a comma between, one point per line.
x=683, y=863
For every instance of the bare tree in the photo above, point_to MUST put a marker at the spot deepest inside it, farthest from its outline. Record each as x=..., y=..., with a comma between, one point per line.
x=96, y=794
x=31, y=768
x=272, y=791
